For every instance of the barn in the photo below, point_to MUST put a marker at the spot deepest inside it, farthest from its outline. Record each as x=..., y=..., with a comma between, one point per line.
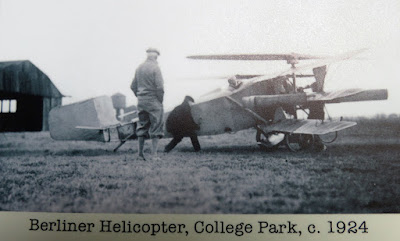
x=26, y=97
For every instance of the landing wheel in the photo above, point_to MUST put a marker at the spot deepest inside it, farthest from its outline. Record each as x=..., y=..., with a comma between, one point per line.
x=329, y=138
x=269, y=141
x=319, y=143
x=298, y=142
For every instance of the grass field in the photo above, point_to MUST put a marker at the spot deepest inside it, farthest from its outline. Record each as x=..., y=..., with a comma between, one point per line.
x=357, y=174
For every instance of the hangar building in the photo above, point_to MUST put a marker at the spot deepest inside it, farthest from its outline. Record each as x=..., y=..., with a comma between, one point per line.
x=26, y=97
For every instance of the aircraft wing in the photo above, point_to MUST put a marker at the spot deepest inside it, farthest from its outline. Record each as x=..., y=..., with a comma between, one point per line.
x=337, y=96
x=315, y=127
x=134, y=120
x=348, y=95
x=91, y=128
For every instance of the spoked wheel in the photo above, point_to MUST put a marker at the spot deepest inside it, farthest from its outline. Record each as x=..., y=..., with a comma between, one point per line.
x=329, y=138
x=319, y=142
x=269, y=141
x=298, y=142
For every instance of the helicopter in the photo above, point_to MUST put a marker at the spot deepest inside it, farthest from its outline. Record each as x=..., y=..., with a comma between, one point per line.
x=269, y=103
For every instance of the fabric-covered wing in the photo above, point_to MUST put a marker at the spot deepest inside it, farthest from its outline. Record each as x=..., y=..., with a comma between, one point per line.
x=315, y=127
x=90, y=128
x=95, y=113
x=349, y=95
x=116, y=132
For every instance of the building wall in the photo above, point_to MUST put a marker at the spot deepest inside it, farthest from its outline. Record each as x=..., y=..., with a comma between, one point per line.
x=31, y=112
x=48, y=104
x=21, y=82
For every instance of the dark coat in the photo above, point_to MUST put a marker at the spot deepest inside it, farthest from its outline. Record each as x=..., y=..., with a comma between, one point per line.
x=180, y=121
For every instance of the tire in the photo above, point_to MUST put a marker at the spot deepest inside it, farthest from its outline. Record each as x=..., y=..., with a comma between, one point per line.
x=264, y=142
x=329, y=138
x=299, y=142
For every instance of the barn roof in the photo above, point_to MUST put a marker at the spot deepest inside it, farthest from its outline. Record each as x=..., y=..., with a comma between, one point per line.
x=25, y=78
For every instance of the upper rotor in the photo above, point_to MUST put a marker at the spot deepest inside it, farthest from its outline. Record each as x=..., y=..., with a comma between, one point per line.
x=292, y=58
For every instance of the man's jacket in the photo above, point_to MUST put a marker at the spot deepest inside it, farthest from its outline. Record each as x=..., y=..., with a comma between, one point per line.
x=180, y=121
x=148, y=82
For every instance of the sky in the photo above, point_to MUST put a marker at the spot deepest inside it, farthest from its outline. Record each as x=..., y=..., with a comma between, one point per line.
x=92, y=48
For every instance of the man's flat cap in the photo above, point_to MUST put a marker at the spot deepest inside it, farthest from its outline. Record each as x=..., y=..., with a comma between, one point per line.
x=153, y=50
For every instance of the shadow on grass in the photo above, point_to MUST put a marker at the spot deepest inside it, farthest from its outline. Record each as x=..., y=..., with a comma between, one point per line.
x=364, y=148
x=72, y=152
x=235, y=149
x=339, y=149
x=385, y=151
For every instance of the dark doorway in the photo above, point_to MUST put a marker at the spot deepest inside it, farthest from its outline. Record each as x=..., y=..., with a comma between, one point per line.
x=24, y=114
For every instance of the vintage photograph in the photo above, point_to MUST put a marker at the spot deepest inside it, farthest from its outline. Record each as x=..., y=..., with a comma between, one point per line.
x=200, y=107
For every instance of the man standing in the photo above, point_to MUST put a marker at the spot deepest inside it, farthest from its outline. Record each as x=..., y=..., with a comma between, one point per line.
x=148, y=87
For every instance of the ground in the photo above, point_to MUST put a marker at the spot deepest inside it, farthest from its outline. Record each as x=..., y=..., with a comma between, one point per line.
x=357, y=174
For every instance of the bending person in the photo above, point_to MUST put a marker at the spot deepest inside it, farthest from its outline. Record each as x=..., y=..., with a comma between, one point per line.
x=180, y=124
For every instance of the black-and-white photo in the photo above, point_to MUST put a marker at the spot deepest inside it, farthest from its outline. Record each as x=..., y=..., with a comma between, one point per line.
x=200, y=107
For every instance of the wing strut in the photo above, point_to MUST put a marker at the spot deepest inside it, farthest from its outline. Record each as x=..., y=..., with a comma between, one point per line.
x=255, y=115
x=123, y=141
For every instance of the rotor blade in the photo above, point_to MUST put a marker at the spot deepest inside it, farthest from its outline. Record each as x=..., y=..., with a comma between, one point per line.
x=322, y=62
x=206, y=77
x=248, y=76
x=238, y=76
x=258, y=57
x=222, y=77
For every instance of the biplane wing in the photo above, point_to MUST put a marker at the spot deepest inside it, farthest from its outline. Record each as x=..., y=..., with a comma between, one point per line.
x=90, y=120
x=105, y=127
x=313, y=127
x=90, y=128
x=348, y=95
x=97, y=113
x=338, y=96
